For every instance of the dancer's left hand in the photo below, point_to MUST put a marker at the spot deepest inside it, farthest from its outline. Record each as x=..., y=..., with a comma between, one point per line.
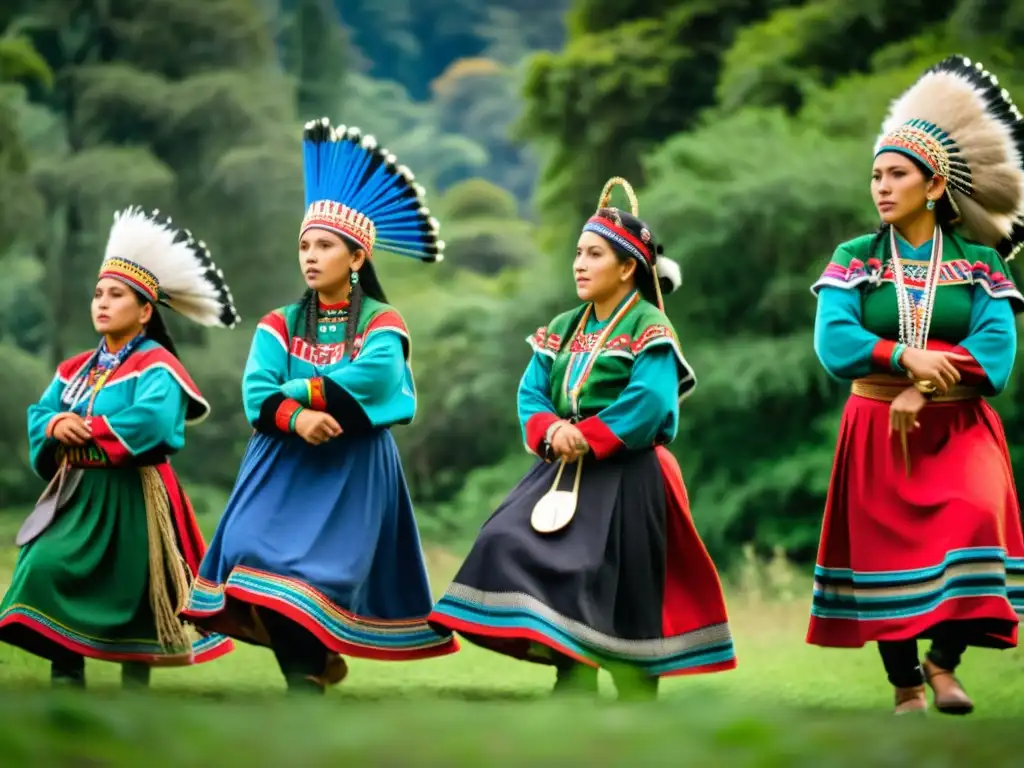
x=904, y=410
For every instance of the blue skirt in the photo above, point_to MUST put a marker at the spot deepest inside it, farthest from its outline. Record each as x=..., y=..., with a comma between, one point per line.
x=324, y=535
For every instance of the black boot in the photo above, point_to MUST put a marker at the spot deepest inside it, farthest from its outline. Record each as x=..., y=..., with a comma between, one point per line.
x=68, y=672
x=303, y=685
x=300, y=655
x=575, y=679
x=135, y=676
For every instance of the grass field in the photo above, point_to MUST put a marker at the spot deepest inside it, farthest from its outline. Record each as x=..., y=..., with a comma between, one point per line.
x=788, y=704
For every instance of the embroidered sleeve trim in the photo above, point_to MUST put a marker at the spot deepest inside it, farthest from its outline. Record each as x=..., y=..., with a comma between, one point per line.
x=882, y=354
x=971, y=371
x=316, y=394
x=603, y=442
x=847, y=278
x=544, y=343
x=996, y=284
x=107, y=440
x=536, y=430
x=285, y=411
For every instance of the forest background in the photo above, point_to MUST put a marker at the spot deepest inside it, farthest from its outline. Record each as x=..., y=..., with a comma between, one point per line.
x=746, y=126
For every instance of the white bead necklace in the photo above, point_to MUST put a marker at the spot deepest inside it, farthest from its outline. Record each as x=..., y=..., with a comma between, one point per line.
x=915, y=322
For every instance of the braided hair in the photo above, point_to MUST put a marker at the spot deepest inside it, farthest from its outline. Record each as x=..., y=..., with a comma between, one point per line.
x=156, y=329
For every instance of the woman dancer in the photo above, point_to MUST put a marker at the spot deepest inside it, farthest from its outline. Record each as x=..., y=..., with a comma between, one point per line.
x=612, y=573
x=922, y=532
x=318, y=553
x=108, y=554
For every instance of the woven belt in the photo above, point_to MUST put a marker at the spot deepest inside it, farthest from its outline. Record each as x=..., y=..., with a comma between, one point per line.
x=887, y=389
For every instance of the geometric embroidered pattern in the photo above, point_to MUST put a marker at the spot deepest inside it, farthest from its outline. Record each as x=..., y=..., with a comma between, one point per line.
x=133, y=274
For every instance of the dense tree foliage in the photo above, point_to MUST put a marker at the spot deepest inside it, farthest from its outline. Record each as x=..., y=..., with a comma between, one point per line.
x=746, y=127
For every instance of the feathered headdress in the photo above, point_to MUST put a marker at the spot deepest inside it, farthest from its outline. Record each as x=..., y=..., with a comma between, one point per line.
x=634, y=237
x=959, y=122
x=168, y=266
x=354, y=188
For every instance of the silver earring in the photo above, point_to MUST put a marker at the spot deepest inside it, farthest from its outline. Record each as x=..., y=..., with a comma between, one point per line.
x=931, y=205
x=353, y=278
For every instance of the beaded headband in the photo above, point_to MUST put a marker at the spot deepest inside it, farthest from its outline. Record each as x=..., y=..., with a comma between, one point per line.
x=342, y=220
x=612, y=229
x=133, y=275
x=931, y=145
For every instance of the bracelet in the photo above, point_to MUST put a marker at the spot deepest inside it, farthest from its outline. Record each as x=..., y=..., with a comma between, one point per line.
x=894, y=359
x=926, y=388
x=552, y=431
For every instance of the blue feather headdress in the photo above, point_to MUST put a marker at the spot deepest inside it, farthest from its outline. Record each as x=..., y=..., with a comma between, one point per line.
x=355, y=189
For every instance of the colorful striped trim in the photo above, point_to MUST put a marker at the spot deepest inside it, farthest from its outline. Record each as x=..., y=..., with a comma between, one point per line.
x=619, y=236
x=340, y=630
x=1015, y=584
x=995, y=284
x=316, y=394
x=133, y=275
x=284, y=416
x=205, y=648
x=520, y=616
x=955, y=272
x=841, y=593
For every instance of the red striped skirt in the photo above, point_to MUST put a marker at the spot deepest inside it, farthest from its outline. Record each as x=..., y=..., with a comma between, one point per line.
x=913, y=556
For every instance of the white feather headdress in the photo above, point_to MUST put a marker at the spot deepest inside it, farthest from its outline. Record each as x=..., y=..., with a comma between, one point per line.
x=958, y=121
x=168, y=266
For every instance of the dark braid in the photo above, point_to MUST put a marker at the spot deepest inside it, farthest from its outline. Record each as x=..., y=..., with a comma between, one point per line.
x=309, y=314
x=881, y=238
x=355, y=306
x=306, y=319
x=156, y=328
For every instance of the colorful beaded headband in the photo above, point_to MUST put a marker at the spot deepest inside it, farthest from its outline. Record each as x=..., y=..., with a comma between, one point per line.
x=133, y=275
x=342, y=220
x=612, y=229
x=932, y=146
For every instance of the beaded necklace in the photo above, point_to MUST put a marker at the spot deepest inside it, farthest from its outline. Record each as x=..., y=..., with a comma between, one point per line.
x=916, y=314
x=95, y=373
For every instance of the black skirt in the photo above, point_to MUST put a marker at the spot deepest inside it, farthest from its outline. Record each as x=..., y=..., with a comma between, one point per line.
x=593, y=591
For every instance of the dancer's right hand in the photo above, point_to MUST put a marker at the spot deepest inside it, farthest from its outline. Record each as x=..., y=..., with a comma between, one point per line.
x=568, y=443
x=72, y=430
x=933, y=366
x=316, y=427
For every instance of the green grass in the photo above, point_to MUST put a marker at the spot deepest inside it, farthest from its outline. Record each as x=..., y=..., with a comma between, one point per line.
x=788, y=704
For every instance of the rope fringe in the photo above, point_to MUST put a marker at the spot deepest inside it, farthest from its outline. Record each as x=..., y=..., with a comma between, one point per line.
x=169, y=577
